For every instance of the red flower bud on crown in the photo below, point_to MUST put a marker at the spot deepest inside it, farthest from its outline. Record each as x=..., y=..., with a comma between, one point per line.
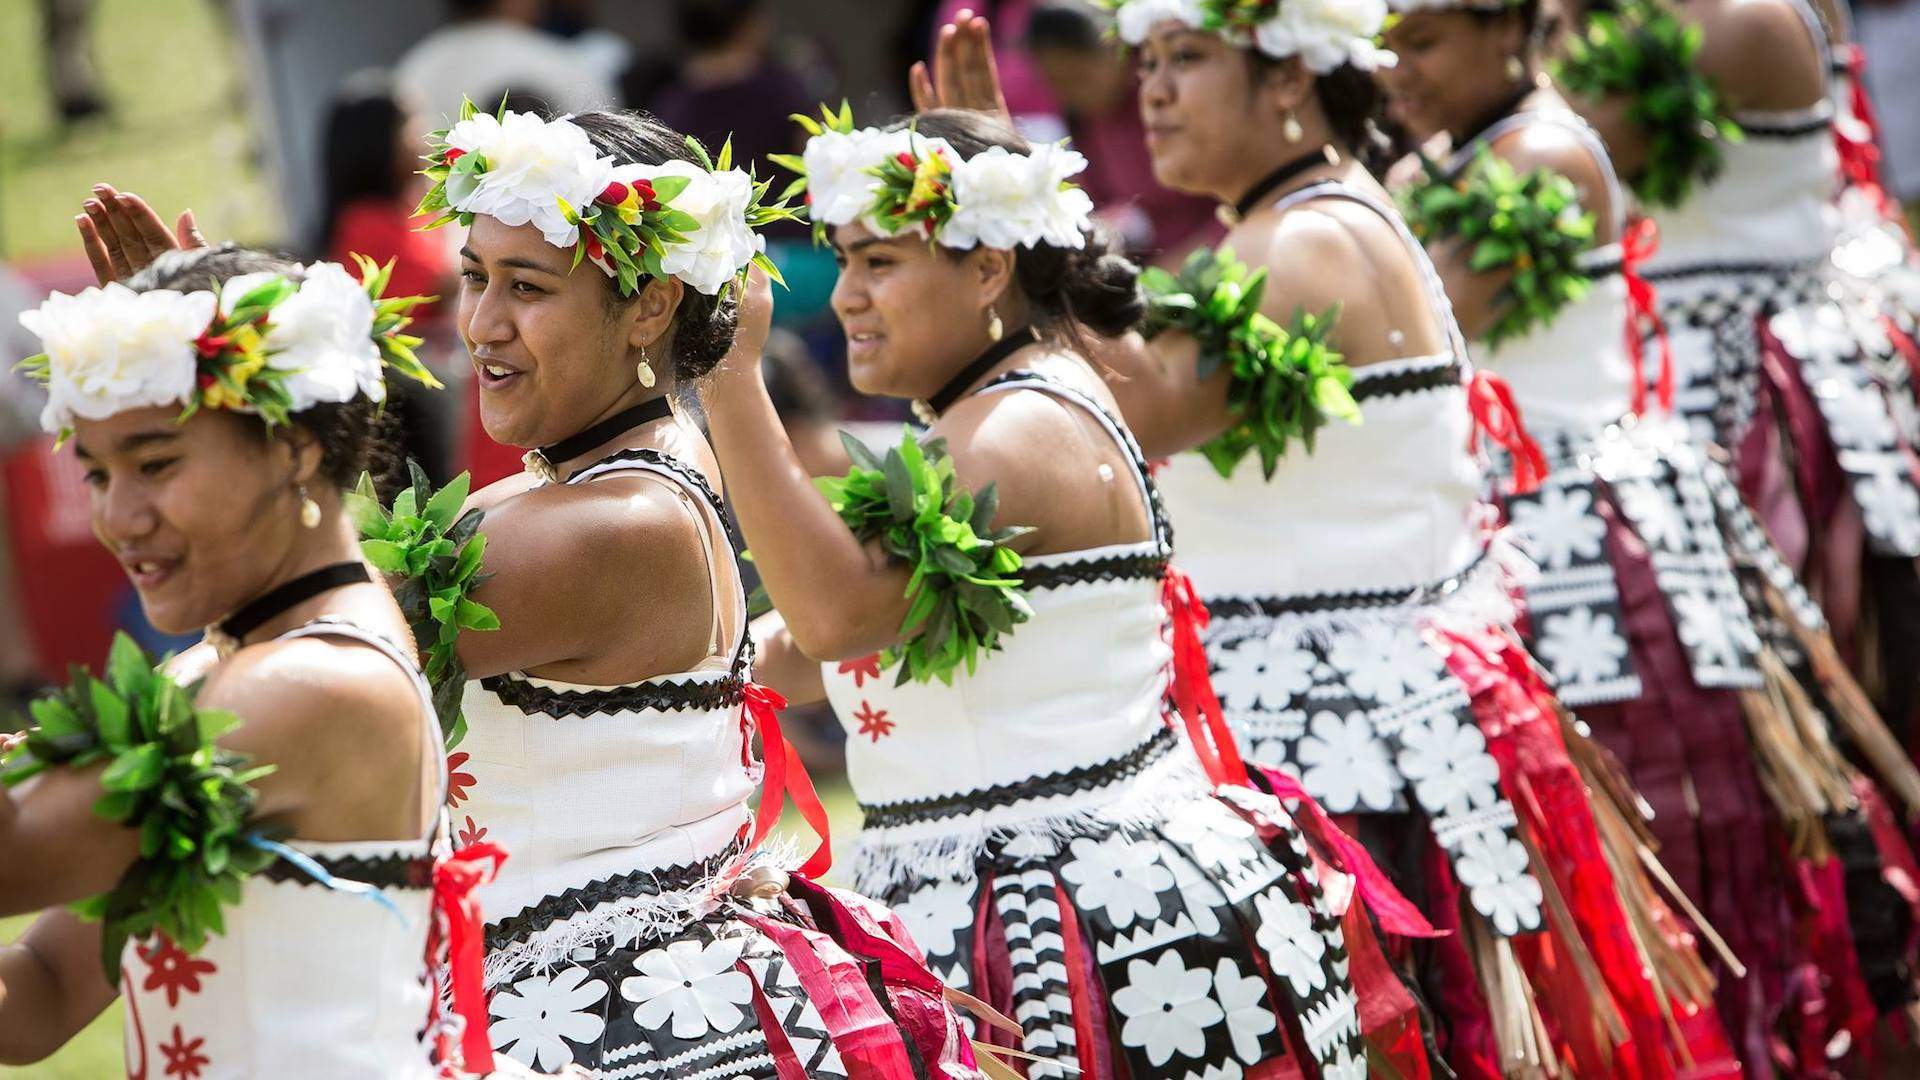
x=905, y=159
x=648, y=201
x=210, y=344
x=453, y=154
x=205, y=380
x=595, y=250
x=614, y=194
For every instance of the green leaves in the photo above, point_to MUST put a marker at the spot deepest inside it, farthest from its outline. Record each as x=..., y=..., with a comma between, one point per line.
x=1645, y=52
x=1284, y=384
x=1530, y=225
x=962, y=594
x=189, y=799
x=436, y=550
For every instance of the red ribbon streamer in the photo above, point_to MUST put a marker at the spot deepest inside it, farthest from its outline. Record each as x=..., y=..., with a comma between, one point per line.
x=785, y=771
x=1397, y=914
x=1193, y=692
x=457, y=914
x=1857, y=138
x=1497, y=416
x=1636, y=247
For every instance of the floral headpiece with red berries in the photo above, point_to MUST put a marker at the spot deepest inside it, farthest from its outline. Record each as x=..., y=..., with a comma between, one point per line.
x=1324, y=34
x=678, y=219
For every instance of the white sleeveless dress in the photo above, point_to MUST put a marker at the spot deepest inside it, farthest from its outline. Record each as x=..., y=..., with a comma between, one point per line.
x=1052, y=839
x=614, y=940
x=307, y=981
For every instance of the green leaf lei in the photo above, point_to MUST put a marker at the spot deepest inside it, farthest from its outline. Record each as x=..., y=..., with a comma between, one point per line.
x=963, y=594
x=1530, y=225
x=189, y=799
x=1644, y=51
x=436, y=551
x=1285, y=382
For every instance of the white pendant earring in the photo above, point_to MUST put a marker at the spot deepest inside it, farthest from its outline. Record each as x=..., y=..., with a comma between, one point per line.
x=644, y=370
x=309, y=510
x=1516, y=71
x=1291, y=129
x=995, y=328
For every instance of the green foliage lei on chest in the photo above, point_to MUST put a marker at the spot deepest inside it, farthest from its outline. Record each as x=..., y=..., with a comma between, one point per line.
x=1643, y=51
x=189, y=799
x=1528, y=225
x=963, y=594
x=435, y=550
x=1284, y=382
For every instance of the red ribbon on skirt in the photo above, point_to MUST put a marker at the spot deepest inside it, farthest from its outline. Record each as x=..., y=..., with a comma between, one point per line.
x=761, y=706
x=1193, y=692
x=1497, y=416
x=1397, y=914
x=1857, y=139
x=456, y=913
x=1642, y=239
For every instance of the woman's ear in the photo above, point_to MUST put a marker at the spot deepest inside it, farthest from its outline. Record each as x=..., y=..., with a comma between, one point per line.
x=302, y=451
x=993, y=272
x=650, y=313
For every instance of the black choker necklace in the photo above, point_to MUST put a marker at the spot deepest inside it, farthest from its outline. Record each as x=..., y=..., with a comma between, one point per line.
x=1505, y=109
x=1320, y=155
x=230, y=631
x=546, y=461
x=929, y=410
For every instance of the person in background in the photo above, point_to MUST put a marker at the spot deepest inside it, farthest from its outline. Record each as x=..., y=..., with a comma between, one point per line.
x=370, y=191
x=729, y=80
x=69, y=55
x=492, y=44
x=20, y=404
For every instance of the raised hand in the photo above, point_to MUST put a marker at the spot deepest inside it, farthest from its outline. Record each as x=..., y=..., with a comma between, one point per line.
x=755, y=323
x=121, y=233
x=963, y=75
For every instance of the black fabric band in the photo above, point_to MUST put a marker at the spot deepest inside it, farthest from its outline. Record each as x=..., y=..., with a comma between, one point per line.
x=1072, y=781
x=607, y=430
x=1796, y=129
x=1272, y=182
x=1246, y=607
x=1143, y=566
x=1367, y=386
x=536, y=917
x=985, y=362
x=657, y=697
x=407, y=872
x=283, y=597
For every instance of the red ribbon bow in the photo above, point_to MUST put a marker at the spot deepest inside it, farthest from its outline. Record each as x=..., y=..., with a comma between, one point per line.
x=457, y=916
x=1636, y=247
x=1497, y=416
x=1193, y=692
x=1857, y=138
x=784, y=770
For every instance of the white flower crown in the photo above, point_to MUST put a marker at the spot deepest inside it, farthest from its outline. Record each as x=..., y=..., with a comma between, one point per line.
x=900, y=181
x=695, y=222
x=262, y=345
x=1324, y=34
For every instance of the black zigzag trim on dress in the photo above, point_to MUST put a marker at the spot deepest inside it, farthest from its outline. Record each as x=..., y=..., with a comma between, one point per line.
x=1367, y=386
x=1077, y=779
x=1786, y=129
x=660, y=696
x=538, y=916
x=380, y=871
x=1246, y=607
x=1142, y=566
x=1782, y=268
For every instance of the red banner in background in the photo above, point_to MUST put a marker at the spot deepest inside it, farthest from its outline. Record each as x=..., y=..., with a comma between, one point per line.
x=70, y=587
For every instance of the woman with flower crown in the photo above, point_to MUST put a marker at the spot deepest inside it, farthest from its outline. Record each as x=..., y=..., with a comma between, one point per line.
x=258, y=849
x=991, y=613
x=1642, y=539
x=1361, y=628
x=608, y=721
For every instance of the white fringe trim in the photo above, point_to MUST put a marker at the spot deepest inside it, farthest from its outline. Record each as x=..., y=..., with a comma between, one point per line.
x=650, y=916
x=950, y=849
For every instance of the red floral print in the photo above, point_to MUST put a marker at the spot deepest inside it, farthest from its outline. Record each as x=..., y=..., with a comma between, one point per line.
x=172, y=969
x=471, y=834
x=184, y=1058
x=457, y=782
x=867, y=667
x=873, y=722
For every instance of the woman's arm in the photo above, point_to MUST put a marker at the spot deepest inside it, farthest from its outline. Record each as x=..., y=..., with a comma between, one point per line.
x=781, y=666
x=1157, y=383
x=57, y=849
x=50, y=986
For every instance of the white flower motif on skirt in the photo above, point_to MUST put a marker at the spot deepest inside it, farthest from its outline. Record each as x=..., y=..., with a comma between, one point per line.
x=1857, y=415
x=1448, y=764
x=532, y=1020
x=1703, y=629
x=1581, y=645
x=1293, y=945
x=1215, y=836
x=936, y=913
x=1385, y=662
x=1891, y=509
x=695, y=985
x=1817, y=335
x=1494, y=868
x=1346, y=766
x=1122, y=877
x=1168, y=1008
x=1559, y=526
x=1258, y=672
x=1654, y=516
x=1245, y=1001
x=1347, y=1067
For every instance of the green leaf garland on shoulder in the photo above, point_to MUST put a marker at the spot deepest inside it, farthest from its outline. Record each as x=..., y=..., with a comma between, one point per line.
x=435, y=551
x=189, y=799
x=1644, y=51
x=1285, y=382
x=963, y=593
x=1530, y=224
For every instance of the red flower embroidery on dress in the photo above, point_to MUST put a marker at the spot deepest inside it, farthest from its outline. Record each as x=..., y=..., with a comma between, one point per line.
x=867, y=667
x=172, y=969
x=873, y=722
x=472, y=834
x=184, y=1058
x=457, y=782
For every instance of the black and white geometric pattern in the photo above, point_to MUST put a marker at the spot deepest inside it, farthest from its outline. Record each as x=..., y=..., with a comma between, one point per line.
x=1752, y=549
x=1029, y=910
x=1579, y=629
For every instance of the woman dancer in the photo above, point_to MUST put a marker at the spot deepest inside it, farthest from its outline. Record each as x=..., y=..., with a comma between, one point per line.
x=1773, y=360
x=1637, y=609
x=220, y=401
x=989, y=605
x=608, y=728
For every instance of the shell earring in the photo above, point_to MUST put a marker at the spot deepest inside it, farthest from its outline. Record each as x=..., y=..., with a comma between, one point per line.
x=995, y=328
x=309, y=510
x=644, y=370
x=1291, y=129
x=1516, y=71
